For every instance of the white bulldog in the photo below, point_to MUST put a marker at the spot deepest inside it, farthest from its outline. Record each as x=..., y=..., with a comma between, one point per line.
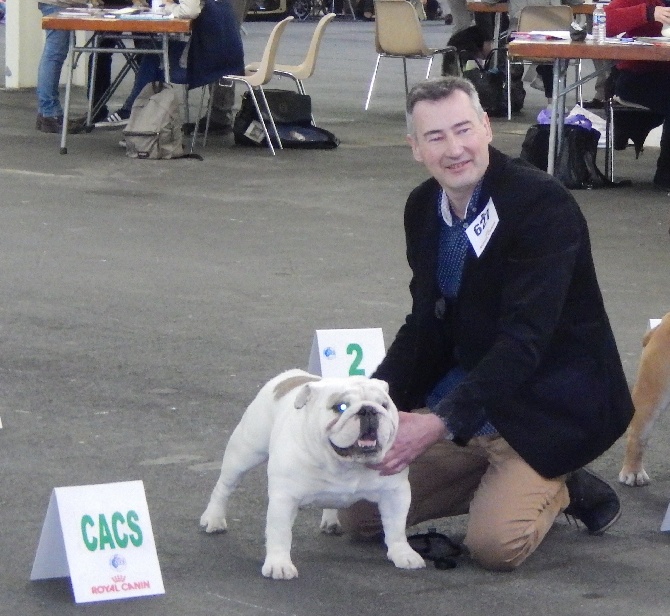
x=318, y=436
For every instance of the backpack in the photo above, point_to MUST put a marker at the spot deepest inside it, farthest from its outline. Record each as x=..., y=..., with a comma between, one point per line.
x=154, y=129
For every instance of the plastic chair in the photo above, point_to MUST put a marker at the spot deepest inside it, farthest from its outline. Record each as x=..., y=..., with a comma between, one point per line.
x=304, y=70
x=541, y=18
x=254, y=82
x=398, y=34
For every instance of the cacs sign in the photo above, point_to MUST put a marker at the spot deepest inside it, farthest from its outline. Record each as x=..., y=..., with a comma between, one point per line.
x=101, y=537
x=119, y=532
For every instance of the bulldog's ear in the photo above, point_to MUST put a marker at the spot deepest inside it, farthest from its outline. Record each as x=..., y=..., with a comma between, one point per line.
x=303, y=396
x=383, y=384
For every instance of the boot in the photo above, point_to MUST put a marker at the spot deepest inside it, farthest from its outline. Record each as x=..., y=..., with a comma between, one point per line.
x=592, y=501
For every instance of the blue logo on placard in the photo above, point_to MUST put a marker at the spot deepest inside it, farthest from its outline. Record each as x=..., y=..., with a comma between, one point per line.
x=329, y=353
x=117, y=562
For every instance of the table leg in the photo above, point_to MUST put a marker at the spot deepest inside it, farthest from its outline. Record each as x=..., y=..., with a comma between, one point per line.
x=553, y=125
x=68, y=92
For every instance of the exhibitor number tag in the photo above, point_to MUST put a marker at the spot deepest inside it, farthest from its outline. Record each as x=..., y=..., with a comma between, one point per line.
x=481, y=229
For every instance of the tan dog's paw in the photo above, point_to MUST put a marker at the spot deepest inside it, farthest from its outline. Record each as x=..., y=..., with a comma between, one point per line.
x=96, y=3
x=140, y=4
x=633, y=478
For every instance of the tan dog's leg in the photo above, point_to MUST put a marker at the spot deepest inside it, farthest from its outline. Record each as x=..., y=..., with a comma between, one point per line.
x=651, y=395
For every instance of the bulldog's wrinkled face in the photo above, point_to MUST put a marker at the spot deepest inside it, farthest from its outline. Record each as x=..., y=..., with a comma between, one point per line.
x=355, y=416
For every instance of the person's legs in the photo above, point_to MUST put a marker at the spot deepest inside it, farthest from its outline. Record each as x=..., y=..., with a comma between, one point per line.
x=51, y=63
x=443, y=481
x=223, y=99
x=653, y=91
x=546, y=73
x=513, y=508
x=461, y=17
x=103, y=75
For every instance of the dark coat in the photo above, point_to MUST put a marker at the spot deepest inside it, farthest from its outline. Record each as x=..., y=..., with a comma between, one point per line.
x=529, y=326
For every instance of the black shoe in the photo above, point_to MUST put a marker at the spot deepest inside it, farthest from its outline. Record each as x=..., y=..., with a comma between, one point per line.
x=436, y=547
x=594, y=103
x=592, y=501
x=662, y=182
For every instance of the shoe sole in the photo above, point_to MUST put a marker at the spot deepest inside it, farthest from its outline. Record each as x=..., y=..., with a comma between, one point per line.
x=612, y=522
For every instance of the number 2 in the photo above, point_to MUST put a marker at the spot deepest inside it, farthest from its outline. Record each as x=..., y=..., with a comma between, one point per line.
x=355, y=350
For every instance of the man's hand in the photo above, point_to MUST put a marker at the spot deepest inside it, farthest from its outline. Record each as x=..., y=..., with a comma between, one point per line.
x=416, y=433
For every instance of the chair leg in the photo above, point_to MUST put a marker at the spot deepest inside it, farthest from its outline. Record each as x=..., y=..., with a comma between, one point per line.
x=404, y=70
x=430, y=66
x=261, y=120
x=210, y=104
x=272, y=120
x=509, y=89
x=609, y=139
x=372, y=83
x=195, y=127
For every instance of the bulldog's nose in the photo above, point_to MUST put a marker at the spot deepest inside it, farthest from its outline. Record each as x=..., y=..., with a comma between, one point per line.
x=367, y=411
x=368, y=418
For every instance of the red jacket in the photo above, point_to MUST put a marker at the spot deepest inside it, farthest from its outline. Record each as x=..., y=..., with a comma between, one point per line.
x=630, y=16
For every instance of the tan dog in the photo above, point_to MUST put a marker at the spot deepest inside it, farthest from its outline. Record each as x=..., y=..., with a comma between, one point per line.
x=651, y=396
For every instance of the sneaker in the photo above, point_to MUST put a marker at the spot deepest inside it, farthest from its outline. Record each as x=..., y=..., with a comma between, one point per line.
x=54, y=124
x=592, y=501
x=114, y=120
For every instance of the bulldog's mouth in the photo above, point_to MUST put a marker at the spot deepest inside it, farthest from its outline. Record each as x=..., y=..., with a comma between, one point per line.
x=367, y=443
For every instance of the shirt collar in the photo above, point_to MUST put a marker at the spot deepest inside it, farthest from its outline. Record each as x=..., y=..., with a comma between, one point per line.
x=471, y=210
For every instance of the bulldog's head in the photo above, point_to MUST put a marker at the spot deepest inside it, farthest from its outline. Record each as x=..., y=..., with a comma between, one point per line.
x=355, y=416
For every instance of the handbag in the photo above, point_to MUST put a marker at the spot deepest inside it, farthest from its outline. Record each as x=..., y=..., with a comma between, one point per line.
x=292, y=113
x=575, y=166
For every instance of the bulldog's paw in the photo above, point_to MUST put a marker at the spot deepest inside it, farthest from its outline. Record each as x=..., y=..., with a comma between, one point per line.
x=330, y=524
x=279, y=568
x=404, y=557
x=634, y=478
x=213, y=520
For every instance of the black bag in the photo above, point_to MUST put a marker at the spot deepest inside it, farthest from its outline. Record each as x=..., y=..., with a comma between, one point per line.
x=576, y=162
x=292, y=113
x=490, y=85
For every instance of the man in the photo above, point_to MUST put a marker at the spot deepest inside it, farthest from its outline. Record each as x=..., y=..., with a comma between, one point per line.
x=508, y=344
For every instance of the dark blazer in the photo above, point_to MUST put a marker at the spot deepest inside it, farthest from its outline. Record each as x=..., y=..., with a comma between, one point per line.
x=529, y=326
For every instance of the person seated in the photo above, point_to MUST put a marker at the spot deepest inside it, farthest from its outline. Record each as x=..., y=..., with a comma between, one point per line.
x=213, y=50
x=644, y=83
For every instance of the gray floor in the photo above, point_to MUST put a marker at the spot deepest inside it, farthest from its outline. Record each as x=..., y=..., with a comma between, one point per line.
x=145, y=302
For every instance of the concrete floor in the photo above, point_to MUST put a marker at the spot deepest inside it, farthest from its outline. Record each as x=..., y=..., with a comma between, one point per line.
x=145, y=302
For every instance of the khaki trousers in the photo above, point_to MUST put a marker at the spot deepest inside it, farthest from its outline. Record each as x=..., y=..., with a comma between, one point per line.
x=511, y=508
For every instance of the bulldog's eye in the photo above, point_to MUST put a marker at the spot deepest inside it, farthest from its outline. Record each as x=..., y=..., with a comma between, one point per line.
x=341, y=407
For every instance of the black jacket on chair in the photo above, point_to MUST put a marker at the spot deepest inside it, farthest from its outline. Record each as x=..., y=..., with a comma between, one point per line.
x=529, y=326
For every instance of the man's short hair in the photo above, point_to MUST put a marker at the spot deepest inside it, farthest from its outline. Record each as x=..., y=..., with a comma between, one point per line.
x=440, y=88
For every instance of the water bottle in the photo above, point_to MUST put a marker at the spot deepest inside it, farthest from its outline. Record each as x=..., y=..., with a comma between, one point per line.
x=599, y=18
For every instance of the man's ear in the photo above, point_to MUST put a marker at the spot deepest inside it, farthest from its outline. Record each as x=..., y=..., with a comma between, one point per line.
x=411, y=139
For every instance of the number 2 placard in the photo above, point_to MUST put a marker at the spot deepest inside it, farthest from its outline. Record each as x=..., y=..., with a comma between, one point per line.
x=346, y=352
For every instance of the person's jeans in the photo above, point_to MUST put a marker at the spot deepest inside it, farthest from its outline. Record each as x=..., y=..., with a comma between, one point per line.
x=51, y=64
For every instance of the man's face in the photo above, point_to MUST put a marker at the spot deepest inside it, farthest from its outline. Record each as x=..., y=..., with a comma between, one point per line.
x=452, y=142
